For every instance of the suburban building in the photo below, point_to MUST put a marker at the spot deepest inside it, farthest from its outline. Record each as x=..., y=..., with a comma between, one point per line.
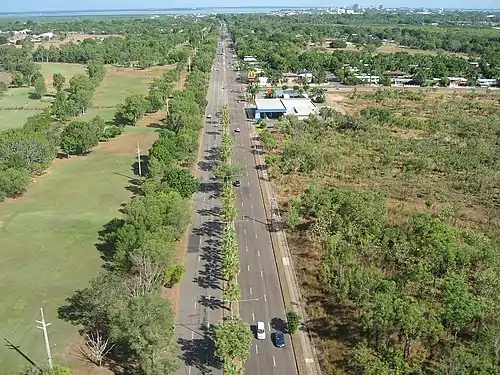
x=367, y=78
x=273, y=108
x=483, y=82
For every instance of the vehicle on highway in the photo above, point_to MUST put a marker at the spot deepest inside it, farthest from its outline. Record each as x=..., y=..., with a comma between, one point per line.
x=261, y=331
x=237, y=183
x=237, y=130
x=209, y=116
x=279, y=339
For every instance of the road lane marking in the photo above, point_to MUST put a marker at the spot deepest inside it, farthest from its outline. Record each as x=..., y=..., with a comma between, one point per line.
x=253, y=317
x=265, y=300
x=246, y=248
x=245, y=231
x=256, y=349
x=261, y=273
x=274, y=361
x=248, y=267
x=195, y=305
x=255, y=235
x=192, y=335
x=241, y=204
x=258, y=253
x=250, y=290
x=251, y=206
x=189, y=370
x=269, y=326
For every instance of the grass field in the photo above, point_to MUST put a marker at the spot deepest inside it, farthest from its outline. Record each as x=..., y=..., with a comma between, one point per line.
x=47, y=243
x=116, y=86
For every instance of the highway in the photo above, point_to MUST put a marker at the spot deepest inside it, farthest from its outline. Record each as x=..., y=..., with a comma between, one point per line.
x=200, y=289
x=259, y=276
x=199, y=306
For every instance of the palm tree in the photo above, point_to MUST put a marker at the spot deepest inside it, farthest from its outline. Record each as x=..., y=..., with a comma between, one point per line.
x=252, y=90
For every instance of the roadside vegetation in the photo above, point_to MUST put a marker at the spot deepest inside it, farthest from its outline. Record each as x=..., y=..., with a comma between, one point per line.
x=138, y=247
x=392, y=214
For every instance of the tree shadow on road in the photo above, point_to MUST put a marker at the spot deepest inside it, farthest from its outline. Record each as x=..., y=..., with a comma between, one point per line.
x=199, y=352
x=208, y=228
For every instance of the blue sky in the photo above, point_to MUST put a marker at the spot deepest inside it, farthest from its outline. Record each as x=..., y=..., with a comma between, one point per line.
x=41, y=5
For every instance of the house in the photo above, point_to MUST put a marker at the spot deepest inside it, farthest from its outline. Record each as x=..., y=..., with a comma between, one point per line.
x=289, y=77
x=457, y=81
x=273, y=108
x=305, y=75
x=484, y=82
x=368, y=78
x=263, y=82
x=287, y=94
x=250, y=60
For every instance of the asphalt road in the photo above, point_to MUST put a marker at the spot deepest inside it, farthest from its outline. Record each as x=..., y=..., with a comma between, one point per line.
x=261, y=297
x=200, y=289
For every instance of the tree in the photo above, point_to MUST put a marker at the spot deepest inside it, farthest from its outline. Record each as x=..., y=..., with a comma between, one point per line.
x=82, y=100
x=292, y=321
x=231, y=293
x=173, y=274
x=96, y=71
x=14, y=182
x=78, y=138
x=58, y=81
x=156, y=100
x=233, y=339
x=40, y=88
x=62, y=107
x=180, y=180
x=385, y=80
x=97, y=346
x=134, y=108
x=17, y=80
x=228, y=173
x=336, y=43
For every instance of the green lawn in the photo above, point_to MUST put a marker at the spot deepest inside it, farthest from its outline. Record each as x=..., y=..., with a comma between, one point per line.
x=67, y=70
x=14, y=119
x=115, y=88
x=47, y=244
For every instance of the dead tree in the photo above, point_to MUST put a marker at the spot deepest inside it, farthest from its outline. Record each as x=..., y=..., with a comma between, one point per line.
x=98, y=347
x=148, y=275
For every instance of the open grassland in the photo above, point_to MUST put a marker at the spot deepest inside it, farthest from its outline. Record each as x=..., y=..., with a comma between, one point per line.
x=116, y=86
x=426, y=152
x=47, y=243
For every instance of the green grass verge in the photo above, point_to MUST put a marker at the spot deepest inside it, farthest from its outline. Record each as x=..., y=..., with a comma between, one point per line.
x=116, y=87
x=47, y=247
x=14, y=119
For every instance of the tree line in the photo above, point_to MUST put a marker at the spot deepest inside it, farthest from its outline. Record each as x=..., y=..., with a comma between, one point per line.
x=284, y=46
x=124, y=304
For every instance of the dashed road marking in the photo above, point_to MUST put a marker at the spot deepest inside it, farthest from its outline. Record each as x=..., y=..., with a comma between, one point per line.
x=258, y=253
x=245, y=231
x=253, y=317
x=256, y=349
x=265, y=300
x=248, y=267
x=261, y=273
x=250, y=290
x=274, y=361
x=255, y=235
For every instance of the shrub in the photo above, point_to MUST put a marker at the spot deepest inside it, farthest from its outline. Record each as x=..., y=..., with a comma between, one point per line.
x=14, y=182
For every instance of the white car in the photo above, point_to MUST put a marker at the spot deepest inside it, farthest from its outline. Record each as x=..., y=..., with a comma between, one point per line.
x=261, y=331
x=237, y=130
x=209, y=116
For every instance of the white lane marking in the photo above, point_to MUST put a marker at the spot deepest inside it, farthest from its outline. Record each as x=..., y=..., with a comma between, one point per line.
x=258, y=253
x=274, y=362
x=192, y=335
x=261, y=273
x=255, y=235
x=245, y=231
x=253, y=317
x=248, y=267
x=247, y=174
x=251, y=206
x=241, y=204
x=189, y=370
x=265, y=300
x=250, y=290
x=195, y=305
x=269, y=326
x=256, y=349
x=246, y=248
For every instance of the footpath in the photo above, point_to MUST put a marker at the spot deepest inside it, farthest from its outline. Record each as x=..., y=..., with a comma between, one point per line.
x=305, y=353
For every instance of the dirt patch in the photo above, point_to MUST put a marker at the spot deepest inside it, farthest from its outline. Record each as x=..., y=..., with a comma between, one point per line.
x=335, y=100
x=78, y=38
x=127, y=143
x=152, y=119
x=154, y=71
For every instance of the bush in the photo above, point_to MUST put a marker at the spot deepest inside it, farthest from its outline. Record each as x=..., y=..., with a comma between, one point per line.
x=292, y=321
x=2, y=196
x=14, y=182
x=111, y=132
x=173, y=274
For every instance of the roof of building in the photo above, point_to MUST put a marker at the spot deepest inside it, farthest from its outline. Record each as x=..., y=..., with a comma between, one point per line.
x=269, y=104
x=302, y=107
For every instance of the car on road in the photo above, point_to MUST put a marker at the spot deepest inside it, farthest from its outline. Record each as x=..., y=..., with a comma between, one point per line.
x=237, y=183
x=279, y=339
x=209, y=116
x=261, y=331
x=237, y=130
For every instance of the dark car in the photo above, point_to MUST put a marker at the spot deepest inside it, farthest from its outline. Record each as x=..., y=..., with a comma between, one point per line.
x=237, y=183
x=279, y=339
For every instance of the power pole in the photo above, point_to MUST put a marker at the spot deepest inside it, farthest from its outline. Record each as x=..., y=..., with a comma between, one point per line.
x=189, y=64
x=45, y=336
x=138, y=150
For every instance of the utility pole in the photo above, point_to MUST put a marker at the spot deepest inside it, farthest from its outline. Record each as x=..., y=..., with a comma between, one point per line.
x=138, y=150
x=45, y=336
x=189, y=64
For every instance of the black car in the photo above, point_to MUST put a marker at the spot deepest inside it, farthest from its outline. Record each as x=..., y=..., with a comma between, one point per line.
x=279, y=339
x=237, y=183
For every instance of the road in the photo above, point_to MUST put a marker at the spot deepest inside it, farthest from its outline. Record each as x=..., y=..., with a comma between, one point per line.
x=200, y=288
x=259, y=276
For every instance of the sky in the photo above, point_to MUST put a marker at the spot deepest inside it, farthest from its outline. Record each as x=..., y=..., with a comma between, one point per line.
x=61, y=5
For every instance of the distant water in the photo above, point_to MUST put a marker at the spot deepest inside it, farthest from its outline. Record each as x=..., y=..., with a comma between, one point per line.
x=152, y=12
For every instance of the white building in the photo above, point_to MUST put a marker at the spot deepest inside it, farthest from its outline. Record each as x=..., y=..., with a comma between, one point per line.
x=301, y=108
x=263, y=82
x=484, y=82
x=368, y=78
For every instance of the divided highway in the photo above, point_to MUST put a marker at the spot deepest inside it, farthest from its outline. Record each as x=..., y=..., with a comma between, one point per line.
x=200, y=290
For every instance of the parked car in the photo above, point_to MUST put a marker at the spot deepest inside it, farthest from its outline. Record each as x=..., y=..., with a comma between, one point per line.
x=237, y=130
x=279, y=339
x=237, y=183
x=261, y=331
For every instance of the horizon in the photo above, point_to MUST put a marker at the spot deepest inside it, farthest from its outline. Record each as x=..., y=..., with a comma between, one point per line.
x=220, y=6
